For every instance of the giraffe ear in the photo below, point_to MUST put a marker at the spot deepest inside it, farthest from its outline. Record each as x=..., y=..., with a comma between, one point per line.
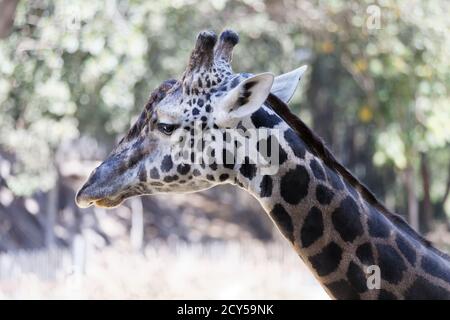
x=284, y=85
x=247, y=97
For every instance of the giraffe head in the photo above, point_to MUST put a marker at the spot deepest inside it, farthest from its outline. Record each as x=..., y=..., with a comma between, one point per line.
x=176, y=145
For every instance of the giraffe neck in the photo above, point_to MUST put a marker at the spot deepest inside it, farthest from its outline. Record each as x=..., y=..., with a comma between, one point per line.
x=340, y=234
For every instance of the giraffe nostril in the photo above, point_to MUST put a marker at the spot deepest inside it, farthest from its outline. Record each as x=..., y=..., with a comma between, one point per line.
x=83, y=200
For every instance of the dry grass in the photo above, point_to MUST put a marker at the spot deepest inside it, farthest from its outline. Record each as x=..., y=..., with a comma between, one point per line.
x=226, y=271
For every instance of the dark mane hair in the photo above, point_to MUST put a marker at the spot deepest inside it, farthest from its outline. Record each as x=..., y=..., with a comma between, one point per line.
x=318, y=148
x=156, y=96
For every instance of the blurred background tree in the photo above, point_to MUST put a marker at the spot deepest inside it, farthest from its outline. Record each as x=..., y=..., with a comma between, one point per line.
x=74, y=75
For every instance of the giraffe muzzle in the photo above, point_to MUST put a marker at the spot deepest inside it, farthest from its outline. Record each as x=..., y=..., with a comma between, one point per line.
x=102, y=189
x=83, y=199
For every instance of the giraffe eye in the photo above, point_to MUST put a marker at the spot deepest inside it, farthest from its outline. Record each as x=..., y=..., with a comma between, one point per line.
x=166, y=128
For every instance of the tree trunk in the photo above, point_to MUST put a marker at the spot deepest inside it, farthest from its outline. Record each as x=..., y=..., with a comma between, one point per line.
x=7, y=14
x=445, y=196
x=427, y=209
x=137, y=224
x=447, y=188
x=52, y=210
x=413, y=208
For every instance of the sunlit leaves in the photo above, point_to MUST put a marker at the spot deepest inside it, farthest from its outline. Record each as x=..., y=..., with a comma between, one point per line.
x=391, y=148
x=365, y=114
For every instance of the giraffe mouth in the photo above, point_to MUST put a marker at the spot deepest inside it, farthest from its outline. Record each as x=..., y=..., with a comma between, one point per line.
x=85, y=198
x=99, y=202
x=108, y=203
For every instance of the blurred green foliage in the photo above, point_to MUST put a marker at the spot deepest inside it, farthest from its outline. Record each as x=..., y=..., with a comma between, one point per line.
x=378, y=83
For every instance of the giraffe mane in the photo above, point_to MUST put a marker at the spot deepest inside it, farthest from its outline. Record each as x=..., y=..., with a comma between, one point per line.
x=156, y=96
x=318, y=147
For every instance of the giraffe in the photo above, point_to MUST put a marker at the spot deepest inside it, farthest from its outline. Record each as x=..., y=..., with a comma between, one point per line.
x=334, y=223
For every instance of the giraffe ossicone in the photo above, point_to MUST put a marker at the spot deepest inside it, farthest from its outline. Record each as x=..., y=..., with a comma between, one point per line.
x=213, y=126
